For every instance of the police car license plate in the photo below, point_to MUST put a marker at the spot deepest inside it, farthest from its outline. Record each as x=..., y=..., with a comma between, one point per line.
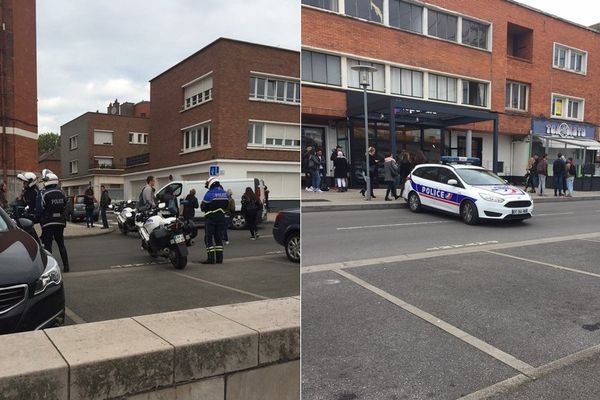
x=519, y=211
x=178, y=239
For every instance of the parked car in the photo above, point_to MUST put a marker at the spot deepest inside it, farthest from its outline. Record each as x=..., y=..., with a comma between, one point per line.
x=31, y=286
x=286, y=232
x=75, y=210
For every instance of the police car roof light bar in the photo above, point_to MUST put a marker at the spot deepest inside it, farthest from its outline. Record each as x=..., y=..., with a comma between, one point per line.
x=460, y=160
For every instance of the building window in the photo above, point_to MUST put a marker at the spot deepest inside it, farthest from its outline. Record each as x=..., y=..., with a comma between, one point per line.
x=569, y=59
x=516, y=96
x=567, y=107
x=519, y=42
x=474, y=33
x=103, y=162
x=442, y=88
x=74, y=167
x=273, y=89
x=73, y=142
x=407, y=82
x=321, y=68
x=377, y=78
x=198, y=92
x=371, y=10
x=442, y=25
x=103, y=137
x=331, y=5
x=273, y=135
x=474, y=93
x=197, y=137
x=138, y=138
x=406, y=16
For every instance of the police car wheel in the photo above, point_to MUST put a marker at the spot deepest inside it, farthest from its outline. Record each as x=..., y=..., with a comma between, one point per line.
x=469, y=213
x=238, y=221
x=414, y=203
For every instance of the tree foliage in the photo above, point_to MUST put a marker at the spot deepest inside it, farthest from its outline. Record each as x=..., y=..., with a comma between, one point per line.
x=47, y=142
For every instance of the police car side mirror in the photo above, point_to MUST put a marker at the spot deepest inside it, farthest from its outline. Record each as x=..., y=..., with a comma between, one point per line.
x=452, y=182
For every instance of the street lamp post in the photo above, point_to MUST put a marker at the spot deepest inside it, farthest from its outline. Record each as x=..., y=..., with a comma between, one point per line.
x=364, y=71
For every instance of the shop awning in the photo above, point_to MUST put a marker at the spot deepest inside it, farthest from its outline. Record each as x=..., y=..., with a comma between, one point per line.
x=564, y=143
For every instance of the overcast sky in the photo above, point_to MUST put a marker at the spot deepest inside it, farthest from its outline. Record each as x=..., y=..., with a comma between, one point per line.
x=91, y=52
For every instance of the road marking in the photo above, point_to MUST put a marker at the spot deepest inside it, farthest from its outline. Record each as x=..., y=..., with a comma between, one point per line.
x=73, y=316
x=458, y=246
x=258, y=296
x=382, y=261
x=349, y=228
x=591, y=240
x=275, y=252
x=510, y=384
x=545, y=264
x=553, y=214
x=479, y=344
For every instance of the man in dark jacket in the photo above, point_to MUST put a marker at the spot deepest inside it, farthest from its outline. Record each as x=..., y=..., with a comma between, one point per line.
x=190, y=204
x=104, y=203
x=51, y=206
x=558, y=169
x=213, y=205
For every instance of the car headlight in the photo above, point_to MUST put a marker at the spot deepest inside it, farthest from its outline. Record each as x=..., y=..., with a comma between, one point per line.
x=491, y=197
x=51, y=276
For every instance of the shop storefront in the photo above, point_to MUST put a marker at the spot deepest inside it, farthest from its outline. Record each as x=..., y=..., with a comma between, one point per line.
x=573, y=140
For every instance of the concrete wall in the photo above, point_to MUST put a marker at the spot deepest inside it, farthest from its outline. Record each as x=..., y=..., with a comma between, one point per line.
x=246, y=351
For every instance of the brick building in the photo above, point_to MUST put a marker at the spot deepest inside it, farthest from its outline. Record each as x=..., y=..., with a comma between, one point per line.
x=452, y=77
x=50, y=160
x=18, y=91
x=232, y=104
x=96, y=147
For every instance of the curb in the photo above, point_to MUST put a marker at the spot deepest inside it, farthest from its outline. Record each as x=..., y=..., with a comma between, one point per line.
x=384, y=206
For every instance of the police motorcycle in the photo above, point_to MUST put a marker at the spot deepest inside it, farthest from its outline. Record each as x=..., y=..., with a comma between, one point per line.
x=126, y=218
x=164, y=235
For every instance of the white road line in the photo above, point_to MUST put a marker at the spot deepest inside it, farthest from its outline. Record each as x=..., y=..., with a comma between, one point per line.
x=258, y=296
x=553, y=214
x=275, y=252
x=545, y=264
x=391, y=225
x=73, y=316
x=479, y=344
x=458, y=246
x=382, y=261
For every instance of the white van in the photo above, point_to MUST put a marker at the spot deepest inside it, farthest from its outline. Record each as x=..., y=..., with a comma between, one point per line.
x=238, y=186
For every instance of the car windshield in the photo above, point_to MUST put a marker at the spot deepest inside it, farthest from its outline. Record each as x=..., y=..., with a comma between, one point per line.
x=479, y=177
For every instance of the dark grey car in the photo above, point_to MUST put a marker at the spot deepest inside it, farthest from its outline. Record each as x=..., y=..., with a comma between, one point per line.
x=286, y=232
x=75, y=210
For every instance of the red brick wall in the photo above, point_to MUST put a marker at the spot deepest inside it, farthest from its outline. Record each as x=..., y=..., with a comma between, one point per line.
x=323, y=102
x=52, y=165
x=22, y=149
x=142, y=109
x=230, y=109
x=329, y=31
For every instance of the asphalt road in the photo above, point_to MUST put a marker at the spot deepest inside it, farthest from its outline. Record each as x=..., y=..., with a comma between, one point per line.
x=422, y=306
x=111, y=277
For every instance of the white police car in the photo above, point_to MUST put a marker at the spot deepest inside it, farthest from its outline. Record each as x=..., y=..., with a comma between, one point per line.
x=470, y=191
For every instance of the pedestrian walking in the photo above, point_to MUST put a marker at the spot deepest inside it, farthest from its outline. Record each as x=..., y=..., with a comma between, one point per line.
x=190, y=204
x=341, y=171
x=104, y=203
x=531, y=176
x=229, y=213
x=571, y=173
x=373, y=168
x=390, y=171
x=50, y=209
x=213, y=205
x=3, y=194
x=558, y=170
x=315, y=167
x=251, y=208
x=542, y=171
x=332, y=158
x=404, y=169
x=304, y=166
x=88, y=201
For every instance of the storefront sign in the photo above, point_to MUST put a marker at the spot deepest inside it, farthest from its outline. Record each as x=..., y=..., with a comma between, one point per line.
x=561, y=129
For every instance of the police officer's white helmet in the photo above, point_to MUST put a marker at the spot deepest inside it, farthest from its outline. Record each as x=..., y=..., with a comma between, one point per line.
x=50, y=179
x=28, y=178
x=211, y=181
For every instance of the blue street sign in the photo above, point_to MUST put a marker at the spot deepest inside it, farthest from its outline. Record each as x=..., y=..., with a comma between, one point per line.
x=213, y=170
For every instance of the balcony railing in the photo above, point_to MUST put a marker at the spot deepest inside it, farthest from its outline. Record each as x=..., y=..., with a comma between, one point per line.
x=140, y=159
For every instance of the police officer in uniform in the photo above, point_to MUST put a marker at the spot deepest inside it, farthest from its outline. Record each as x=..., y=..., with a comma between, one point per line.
x=51, y=211
x=213, y=205
x=30, y=196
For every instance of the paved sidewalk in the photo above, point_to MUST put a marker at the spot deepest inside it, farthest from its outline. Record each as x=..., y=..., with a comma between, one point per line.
x=352, y=200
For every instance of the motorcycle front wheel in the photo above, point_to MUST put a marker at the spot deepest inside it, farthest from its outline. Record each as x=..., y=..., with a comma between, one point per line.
x=178, y=260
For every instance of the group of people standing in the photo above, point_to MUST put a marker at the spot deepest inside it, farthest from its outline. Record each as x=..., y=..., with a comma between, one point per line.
x=564, y=172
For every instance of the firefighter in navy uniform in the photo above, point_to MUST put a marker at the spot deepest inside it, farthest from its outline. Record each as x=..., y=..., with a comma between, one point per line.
x=30, y=196
x=213, y=205
x=51, y=212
